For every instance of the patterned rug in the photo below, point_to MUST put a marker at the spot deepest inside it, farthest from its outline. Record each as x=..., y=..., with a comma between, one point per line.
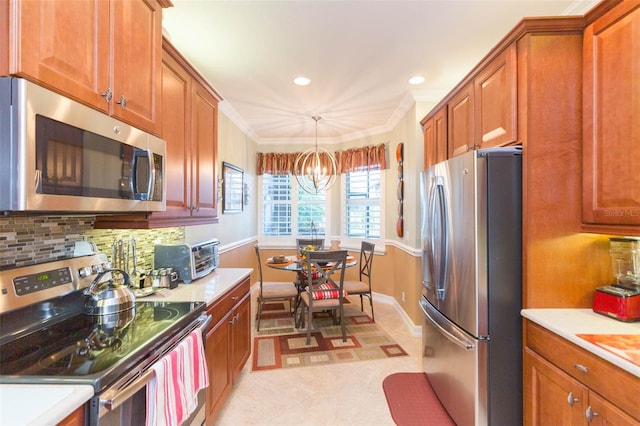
x=279, y=344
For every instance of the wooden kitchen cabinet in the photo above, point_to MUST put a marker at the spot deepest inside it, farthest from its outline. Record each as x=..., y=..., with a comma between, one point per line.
x=553, y=397
x=228, y=345
x=565, y=384
x=495, y=101
x=460, y=122
x=482, y=114
x=435, y=138
x=190, y=130
x=611, y=104
x=105, y=54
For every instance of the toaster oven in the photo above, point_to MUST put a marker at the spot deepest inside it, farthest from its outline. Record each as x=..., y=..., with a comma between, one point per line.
x=189, y=261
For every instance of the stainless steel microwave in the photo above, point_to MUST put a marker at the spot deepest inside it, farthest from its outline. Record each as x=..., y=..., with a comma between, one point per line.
x=59, y=155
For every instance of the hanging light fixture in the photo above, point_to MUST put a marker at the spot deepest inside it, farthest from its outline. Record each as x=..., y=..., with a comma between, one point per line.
x=315, y=168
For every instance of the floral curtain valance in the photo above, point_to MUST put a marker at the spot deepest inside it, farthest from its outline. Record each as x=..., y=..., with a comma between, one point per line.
x=363, y=158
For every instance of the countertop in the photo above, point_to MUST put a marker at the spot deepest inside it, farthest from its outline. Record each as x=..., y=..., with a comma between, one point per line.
x=49, y=404
x=570, y=323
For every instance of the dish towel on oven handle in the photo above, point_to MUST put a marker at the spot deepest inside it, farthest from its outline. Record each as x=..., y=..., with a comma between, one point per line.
x=172, y=395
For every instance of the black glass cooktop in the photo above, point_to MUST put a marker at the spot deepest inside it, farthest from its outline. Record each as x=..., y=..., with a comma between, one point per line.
x=87, y=348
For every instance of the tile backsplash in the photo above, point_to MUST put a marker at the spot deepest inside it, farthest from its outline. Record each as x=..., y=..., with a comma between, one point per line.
x=27, y=239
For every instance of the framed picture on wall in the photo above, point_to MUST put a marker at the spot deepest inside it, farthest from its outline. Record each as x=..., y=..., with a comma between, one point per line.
x=232, y=188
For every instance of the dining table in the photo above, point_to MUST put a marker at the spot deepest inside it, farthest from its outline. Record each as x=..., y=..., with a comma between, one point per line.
x=297, y=264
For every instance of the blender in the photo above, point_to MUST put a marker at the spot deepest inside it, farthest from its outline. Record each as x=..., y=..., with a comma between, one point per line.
x=621, y=300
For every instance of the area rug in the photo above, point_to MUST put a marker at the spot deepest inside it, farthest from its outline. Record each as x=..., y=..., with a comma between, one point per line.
x=412, y=401
x=279, y=344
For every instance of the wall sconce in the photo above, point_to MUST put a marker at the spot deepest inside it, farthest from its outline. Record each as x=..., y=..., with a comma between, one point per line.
x=246, y=194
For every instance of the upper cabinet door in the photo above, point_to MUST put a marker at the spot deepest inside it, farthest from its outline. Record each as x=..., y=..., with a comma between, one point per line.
x=105, y=54
x=495, y=91
x=204, y=149
x=460, y=121
x=63, y=45
x=435, y=138
x=611, y=132
x=137, y=62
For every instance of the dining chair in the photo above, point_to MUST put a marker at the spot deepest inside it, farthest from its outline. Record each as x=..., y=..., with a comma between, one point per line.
x=316, y=243
x=271, y=291
x=362, y=287
x=324, y=291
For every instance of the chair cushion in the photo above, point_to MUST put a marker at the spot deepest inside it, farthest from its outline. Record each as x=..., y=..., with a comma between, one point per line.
x=279, y=289
x=356, y=287
x=314, y=275
x=325, y=291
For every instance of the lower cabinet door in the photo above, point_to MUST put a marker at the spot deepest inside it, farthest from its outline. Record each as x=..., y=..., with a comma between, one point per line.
x=601, y=412
x=551, y=397
x=241, y=337
x=218, y=363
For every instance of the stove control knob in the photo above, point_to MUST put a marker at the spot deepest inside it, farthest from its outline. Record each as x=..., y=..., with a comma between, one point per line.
x=97, y=268
x=85, y=272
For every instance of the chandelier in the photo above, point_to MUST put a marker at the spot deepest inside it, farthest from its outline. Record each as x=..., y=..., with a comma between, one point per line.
x=315, y=168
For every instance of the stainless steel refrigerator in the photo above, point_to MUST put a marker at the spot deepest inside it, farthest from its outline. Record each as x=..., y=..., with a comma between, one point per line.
x=472, y=285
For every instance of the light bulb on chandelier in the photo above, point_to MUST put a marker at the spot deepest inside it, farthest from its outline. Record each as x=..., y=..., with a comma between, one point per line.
x=315, y=168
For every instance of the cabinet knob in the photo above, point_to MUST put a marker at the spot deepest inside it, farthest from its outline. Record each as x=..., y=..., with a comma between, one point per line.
x=581, y=367
x=590, y=413
x=122, y=102
x=571, y=399
x=107, y=95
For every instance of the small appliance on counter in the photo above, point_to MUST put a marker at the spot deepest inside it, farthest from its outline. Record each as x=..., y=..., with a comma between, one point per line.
x=189, y=261
x=621, y=300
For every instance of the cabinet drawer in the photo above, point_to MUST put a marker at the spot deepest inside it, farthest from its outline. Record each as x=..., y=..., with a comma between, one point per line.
x=224, y=304
x=613, y=383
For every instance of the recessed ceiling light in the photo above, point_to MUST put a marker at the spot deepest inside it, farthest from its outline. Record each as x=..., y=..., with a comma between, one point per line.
x=418, y=79
x=302, y=81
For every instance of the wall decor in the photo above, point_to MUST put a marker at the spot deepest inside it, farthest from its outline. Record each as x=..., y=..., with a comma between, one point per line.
x=232, y=188
x=400, y=190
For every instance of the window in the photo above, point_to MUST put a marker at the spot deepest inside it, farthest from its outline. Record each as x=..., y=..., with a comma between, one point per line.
x=363, y=213
x=288, y=212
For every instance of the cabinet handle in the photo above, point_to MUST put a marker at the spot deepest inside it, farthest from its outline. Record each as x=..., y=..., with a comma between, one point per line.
x=235, y=297
x=581, y=367
x=107, y=95
x=590, y=413
x=122, y=102
x=571, y=399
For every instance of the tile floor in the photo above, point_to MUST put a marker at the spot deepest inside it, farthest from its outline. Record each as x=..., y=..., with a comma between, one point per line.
x=343, y=394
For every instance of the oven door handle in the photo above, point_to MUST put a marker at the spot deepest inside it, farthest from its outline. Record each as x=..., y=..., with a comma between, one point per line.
x=121, y=395
x=129, y=391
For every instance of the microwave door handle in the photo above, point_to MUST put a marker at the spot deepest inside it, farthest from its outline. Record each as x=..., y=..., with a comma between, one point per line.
x=138, y=154
x=151, y=175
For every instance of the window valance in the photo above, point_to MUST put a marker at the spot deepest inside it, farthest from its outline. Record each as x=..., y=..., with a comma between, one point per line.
x=363, y=158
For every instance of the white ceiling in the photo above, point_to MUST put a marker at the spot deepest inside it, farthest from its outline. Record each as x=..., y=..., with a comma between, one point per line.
x=358, y=54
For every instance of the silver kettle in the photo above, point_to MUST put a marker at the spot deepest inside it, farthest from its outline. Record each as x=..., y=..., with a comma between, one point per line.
x=108, y=297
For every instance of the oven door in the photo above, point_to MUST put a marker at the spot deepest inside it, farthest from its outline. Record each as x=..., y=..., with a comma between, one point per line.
x=125, y=401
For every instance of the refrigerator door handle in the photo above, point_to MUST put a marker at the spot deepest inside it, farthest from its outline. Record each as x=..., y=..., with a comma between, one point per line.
x=440, y=208
x=446, y=327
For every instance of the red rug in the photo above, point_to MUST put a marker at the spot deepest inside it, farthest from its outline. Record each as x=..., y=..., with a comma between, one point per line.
x=412, y=401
